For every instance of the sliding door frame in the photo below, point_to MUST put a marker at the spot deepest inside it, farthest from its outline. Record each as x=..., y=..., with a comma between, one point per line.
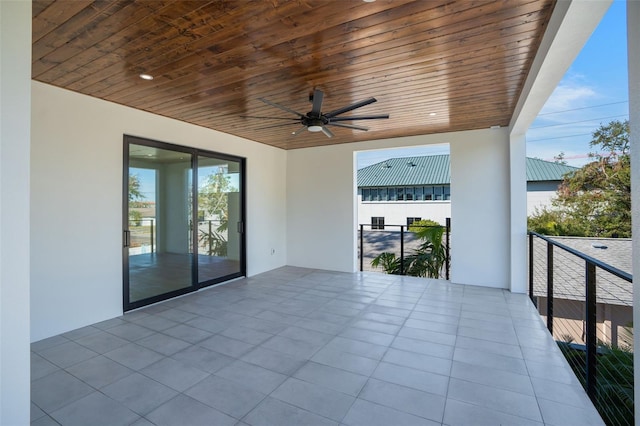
x=195, y=284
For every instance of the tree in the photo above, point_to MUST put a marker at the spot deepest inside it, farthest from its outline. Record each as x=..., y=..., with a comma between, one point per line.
x=134, y=188
x=560, y=159
x=595, y=201
x=134, y=195
x=212, y=199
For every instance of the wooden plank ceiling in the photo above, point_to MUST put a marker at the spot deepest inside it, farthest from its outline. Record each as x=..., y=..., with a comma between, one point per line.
x=434, y=66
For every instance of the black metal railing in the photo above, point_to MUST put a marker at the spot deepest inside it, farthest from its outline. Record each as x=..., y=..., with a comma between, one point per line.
x=399, y=241
x=588, y=306
x=142, y=233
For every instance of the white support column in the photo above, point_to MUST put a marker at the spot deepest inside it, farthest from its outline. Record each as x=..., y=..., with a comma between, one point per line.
x=518, y=211
x=633, y=52
x=15, y=125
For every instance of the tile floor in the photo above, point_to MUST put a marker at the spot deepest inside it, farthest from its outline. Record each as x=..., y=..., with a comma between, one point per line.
x=303, y=347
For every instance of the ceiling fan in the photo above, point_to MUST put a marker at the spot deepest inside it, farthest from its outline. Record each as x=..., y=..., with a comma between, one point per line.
x=317, y=121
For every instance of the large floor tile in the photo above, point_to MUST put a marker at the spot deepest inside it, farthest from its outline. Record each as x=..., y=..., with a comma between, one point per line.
x=319, y=400
x=186, y=411
x=57, y=390
x=366, y=413
x=99, y=371
x=226, y=396
x=95, y=409
x=273, y=412
x=492, y=398
x=175, y=374
x=141, y=394
x=260, y=379
x=332, y=378
x=427, y=405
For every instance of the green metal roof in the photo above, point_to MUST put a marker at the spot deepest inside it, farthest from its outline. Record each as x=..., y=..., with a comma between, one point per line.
x=540, y=170
x=434, y=170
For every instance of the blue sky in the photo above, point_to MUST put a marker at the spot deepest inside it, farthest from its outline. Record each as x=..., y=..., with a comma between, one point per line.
x=593, y=91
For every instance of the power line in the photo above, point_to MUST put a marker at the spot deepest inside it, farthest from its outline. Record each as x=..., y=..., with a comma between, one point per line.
x=560, y=137
x=587, y=107
x=581, y=121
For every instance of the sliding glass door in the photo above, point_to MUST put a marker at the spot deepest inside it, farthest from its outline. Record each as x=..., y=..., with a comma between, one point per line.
x=183, y=220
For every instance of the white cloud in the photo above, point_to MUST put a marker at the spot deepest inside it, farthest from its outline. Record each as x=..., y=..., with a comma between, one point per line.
x=567, y=96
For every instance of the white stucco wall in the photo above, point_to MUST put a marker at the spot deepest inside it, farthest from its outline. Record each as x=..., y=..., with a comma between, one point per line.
x=15, y=86
x=480, y=210
x=76, y=197
x=322, y=211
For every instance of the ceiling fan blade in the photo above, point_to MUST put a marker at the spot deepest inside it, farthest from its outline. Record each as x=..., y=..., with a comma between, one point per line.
x=350, y=107
x=269, y=118
x=348, y=126
x=360, y=117
x=318, y=96
x=327, y=132
x=282, y=107
x=300, y=130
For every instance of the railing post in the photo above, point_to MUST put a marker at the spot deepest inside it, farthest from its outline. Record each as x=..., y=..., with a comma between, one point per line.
x=151, y=235
x=592, y=344
x=209, y=238
x=447, y=260
x=550, y=287
x=531, y=271
x=361, y=248
x=401, y=249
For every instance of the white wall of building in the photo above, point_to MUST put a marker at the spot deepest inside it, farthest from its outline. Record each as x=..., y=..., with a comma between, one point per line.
x=480, y=210
x=540, y=195
x=397, y=212
x=15, y=86
x=76, y=198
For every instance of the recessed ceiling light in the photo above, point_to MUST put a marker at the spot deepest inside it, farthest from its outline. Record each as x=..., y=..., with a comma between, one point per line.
x=432, y=114
x=368, y=1
x=146, y=77
x=494, y=127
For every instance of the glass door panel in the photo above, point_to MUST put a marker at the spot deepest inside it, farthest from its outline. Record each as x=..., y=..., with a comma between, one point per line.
x=159, y=217
x=219, y=218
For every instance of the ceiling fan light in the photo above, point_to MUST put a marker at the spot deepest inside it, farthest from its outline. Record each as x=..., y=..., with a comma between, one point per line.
x=314, y=128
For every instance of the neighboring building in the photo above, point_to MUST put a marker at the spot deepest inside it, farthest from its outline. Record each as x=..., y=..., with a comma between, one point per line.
x=399, y=191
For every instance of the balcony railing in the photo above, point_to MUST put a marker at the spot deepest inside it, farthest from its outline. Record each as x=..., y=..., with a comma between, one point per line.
x=142, y=235
x=588, y=307
x=376, y=239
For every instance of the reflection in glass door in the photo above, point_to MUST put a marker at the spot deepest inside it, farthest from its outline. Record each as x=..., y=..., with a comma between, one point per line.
x=162, y=205
x=219, y=218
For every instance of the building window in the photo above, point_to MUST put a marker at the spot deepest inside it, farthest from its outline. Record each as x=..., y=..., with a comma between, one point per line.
x=428, y=193
x=400, y=192
x=382, y=193
x=408, y=194
x=366, y=194
x=377, y=222
x=437, y=193
x=392, y=194
x=374, y=194
x=410, y=220
x=447, y=192
x=419, y=193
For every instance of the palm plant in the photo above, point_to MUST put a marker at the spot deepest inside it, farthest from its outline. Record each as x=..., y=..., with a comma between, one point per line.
x=425, y=261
